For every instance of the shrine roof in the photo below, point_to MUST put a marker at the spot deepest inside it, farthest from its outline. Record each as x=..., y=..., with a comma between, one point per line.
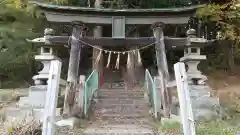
x=120, y=12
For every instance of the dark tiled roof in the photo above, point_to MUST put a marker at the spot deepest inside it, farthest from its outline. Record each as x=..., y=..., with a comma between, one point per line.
x=155, y=11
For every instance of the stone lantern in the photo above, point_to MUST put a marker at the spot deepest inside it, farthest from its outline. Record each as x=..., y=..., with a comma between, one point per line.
x=203, y=103
x=45, y=57
x=192, y=57
x=34, y=103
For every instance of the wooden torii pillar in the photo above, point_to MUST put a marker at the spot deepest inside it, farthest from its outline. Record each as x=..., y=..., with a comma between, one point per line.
x=73, y=69
x=97, y=32
x=162, y=65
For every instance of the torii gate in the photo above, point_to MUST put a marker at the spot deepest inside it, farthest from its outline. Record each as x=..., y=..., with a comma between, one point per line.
x=79, y=17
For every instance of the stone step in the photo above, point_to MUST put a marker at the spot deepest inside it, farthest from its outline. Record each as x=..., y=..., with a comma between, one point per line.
x=121, y=90
x=31, y=101
x=106, y=125
x=112, y=90
x=123, y=101
x=119, y=131
x=117, y=85
x=38, y=88
x=199, y=87
x=121, y=97
x=122, y=116
x=113, y=106
x=104, y=94
x=122, y=113
x=119, y=108
x=128, y=121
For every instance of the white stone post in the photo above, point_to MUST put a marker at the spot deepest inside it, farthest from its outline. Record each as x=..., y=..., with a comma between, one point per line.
x=184, y=99
x=51, y=100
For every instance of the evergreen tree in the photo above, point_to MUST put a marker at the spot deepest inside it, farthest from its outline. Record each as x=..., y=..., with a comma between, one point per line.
x=17, y=23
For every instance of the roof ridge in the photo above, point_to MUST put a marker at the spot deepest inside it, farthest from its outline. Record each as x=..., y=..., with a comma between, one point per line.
x=59, y=7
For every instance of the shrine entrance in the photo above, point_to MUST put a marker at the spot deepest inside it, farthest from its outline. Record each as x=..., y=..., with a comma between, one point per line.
x=121, y=53
x=112, y=72
x=119, y=58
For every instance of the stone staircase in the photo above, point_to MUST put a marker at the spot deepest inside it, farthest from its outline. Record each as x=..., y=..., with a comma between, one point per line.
x=121, y=112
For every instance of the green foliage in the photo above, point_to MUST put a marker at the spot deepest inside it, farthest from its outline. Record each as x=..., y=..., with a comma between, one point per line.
x=17, y=23
x=226, y=16
x=64, y=2
x=120, y=4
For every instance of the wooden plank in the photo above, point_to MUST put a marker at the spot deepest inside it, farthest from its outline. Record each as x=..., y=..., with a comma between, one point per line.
x=184, y=99
x=162, y=65
x=118, y=27
x=73, y=68
x=51, y=100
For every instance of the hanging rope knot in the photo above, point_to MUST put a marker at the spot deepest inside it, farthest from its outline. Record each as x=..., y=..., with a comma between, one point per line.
x=139, y=58
x=74, y=38
x=118, y=60
x=129, y=60
x=98, y=57
x=109, y=58
x=129, y=63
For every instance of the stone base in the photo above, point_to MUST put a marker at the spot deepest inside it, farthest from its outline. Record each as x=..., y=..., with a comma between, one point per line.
x=36, y=97
x=173, y=119
x=27, y=114
x=205, y=114
x=203, y=104
x=31, y=107
x=201, y=97
x=70, y=123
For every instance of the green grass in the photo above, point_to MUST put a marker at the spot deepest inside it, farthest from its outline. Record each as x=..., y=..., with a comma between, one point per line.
x=216, y=127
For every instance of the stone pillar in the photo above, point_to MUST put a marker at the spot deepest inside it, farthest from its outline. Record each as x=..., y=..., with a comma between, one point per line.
x=160, y=48
x=73, y=68
x=202, y=102
x=162, y=66
x=97, y=32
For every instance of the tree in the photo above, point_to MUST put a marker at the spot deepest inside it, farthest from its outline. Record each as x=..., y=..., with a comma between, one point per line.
x=226, y=16
x=17, y=23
